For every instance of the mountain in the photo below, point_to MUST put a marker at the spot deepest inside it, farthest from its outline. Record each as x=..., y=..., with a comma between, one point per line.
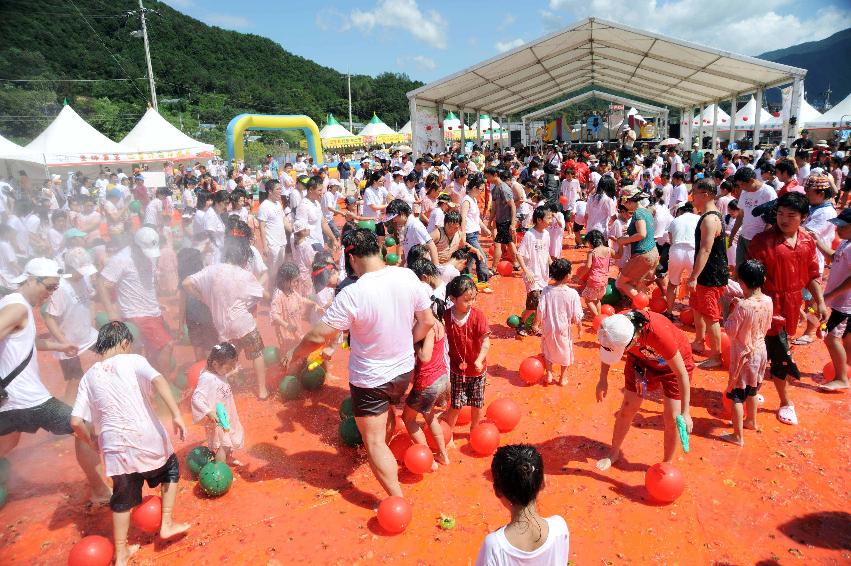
x=205, y=75
x=828, y=63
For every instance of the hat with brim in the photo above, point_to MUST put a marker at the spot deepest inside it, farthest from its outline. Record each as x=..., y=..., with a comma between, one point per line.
x=631, y=192
x=148, y=241
x=844, y=219
x=615, y=334
x=80, y=261
x=40, y=267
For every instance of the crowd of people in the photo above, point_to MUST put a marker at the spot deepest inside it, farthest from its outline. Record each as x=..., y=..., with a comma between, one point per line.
x=386, y=257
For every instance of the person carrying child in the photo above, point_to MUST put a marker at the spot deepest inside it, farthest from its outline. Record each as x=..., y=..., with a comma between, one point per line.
x=213, y=390
x=558, y=309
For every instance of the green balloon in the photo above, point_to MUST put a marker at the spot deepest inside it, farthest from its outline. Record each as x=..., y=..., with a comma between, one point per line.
x=290, y=387
x=134, y=330
x=367, y=224
x=215, y=478
x=135, y=206
x=197, y=458
x=3, y=494
x=101, y=318
x=349, y=433
x=391, y=259
x=5, y=468
x=513, y=321
x=346, y=409
x=530, y=321
x=389, y=241
x=271, y=355
x=612, y=295
x=313, y=379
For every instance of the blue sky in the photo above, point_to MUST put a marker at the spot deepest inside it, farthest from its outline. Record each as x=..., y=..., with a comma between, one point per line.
x=431, y=39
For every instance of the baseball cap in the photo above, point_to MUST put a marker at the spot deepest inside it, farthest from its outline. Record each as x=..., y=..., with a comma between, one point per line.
x=631, y=192
x=299, y=225
x=74, y=233
x=615, y=334
x=844, y=218
x=350, y=201
x=40, y=267
x=115, y=193
x=148, y=241
x=80, y=261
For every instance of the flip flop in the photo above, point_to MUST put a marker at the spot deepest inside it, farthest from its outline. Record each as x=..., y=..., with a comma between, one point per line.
x=803, y=340
x=786, y=415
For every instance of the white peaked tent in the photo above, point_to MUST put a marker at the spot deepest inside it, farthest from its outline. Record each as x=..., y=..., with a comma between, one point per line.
x=376, y=128
x=708, y=115
x=13, y=152
x=406, y=129
x=838, y=116
x=333, y=129
x=485, y=123
x=70, y=140
x=746, y=117
x=154, y=137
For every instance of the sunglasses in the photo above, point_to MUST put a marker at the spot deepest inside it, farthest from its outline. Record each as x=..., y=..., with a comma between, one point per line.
x=50, y=288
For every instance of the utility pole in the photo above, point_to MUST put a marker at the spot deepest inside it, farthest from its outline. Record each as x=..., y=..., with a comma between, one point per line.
x=148, y=57
x=349, y=75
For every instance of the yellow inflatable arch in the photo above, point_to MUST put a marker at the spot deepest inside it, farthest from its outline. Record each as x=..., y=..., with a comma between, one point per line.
x=237, y=127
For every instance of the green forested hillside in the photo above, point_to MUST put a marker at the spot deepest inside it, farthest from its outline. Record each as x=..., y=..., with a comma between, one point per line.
x=204, y=74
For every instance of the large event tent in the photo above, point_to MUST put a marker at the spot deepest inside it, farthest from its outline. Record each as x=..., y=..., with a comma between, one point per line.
x=155, y=138
x=333, y=129
x=601, y=55
x=70, y=140
x=16, y=158
x=746, y=116
x=837, y=117
x=376, y=128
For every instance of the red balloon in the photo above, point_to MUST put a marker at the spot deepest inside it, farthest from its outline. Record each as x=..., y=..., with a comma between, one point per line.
x=664, y=482
x=598, y=320
x=563, y=200
x=418, y=459
x=394, y=514
x=504, y=268
x=657, y=292
x=464, y=416
x=93, y=550
x=532, y=370
x=447, y=434
x=485, y=439
x=148, y=515
x=505, y=414
x=687, y=316
x=640, y=301
x=194, y=373
x=608, y=310
x=399, y=445
x=658, y=304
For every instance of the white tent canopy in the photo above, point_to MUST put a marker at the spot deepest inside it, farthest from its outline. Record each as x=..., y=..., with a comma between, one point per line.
x=376, y=127
x=708, y=116
x=406, y=129
x=486, y=124
x=70, y=140
x=13, y=152
x=746, y=117
x=838, y=116
x=333, y=129
x=154, y=137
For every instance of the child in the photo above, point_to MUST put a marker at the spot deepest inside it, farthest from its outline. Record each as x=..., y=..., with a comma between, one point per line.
x=518, y=475
x=595, y=272
x=533, y=255
x=837, y=296
x=558, y=308
x=303, y=253
x=288, y=307
x=579, y=216
x=326, y=277
x=468, y=336
x=430, y=385
x=115, y=398
x=747, y=326
x=213, y=389
x=556, y=231
x=457, y=264
x=729, y=220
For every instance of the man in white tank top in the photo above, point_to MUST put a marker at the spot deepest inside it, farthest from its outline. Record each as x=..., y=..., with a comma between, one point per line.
x=29, y=405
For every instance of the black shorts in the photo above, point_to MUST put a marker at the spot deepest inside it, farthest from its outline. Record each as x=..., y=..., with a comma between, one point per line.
x=741, y=394
x=53, y=416
x=577, y=228
x=780, y=357
x=127, y=488
x=568, y=215
x=532, y=300
x=835, y=319
x=371, y=401
x=71, y=369
x=503, y=233
x=664, y=251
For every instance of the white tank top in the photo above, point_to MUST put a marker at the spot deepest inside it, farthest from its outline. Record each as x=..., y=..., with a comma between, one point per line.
x=474, y=219
x=26, y=390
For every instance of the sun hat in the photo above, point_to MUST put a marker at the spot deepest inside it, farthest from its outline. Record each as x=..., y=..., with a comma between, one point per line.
x=80, y=261
x=631, y=192
x=148, y=241
x=40, y=267
x=615, y=334
x=300, y=225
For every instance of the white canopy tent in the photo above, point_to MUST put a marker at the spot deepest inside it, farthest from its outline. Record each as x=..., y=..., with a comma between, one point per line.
x=406, y=129
x=708, y=117
x=746, y=116
x=376, y=127
x=600, y=54
x=70, y=140
x=16, y=158
x=333, y=129
x=155, y=138
x=838, y=117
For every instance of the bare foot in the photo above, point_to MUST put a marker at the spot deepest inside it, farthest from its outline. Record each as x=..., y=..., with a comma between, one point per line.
x=698, y=349
x=101, y=496
x=751, y=425
x=549, y=380
x=604, y=464
x=562, y=382
x=442, y=460
x=173, y=529
x=733, y=439
x=450, y=444
x=835, y=385
x=122, y=557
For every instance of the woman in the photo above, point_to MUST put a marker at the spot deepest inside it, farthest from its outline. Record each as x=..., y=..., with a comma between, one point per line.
x=471, y=224
x=429, y=200
x=458, y=186
x=643, y=254
x=600, y=210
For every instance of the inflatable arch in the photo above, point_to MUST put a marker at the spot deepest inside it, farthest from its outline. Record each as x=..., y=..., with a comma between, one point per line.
x=243, y=122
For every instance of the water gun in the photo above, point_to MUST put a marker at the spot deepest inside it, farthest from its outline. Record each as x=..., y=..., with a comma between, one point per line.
x=314, y=360
x=681, y=427
x=222, y=415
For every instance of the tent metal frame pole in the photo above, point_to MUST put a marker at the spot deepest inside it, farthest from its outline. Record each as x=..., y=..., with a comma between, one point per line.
x=478, y=127
x=795, y=110
x=757, y=119
x=463, y=129
x=441, y=125
x=412, y=107
x=701, y=110
x=715, y=128
x=523, y=134
x=732, y=119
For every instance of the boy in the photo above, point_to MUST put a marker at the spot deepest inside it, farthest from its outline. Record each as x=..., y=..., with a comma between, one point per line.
x=533, y=255
x=789, y=255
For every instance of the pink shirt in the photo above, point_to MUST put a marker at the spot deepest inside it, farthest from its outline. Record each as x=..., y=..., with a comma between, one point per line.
x=535, y=250
x=290, y=308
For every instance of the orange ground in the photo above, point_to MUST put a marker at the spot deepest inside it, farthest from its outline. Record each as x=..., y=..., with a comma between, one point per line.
x=783, y=499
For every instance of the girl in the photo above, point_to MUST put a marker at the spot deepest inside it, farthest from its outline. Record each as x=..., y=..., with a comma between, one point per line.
x=288, y=307
x=303, y=253
x=194, y=314
x=472, y=225
x=579, y=216
x=729, y=221
x=595, y=272
x=558, y=308
x=468, y=336
x=556, y=231
x=430, y=385
x=643, y=256
x=747, y=326
x=518, y=476
x=534, y=259
x=326, y=277
x=213, y=389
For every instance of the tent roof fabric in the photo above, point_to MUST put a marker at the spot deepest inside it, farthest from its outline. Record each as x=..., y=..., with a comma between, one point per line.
x=830, y=119
x=646, y=108
x=406, y=129
x=599, y=53
x=153, y=134
x=71, y=136
x=14, y=152
x=709, y=114
x=376, y=128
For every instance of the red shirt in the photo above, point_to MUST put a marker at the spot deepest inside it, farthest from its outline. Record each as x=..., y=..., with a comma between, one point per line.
x=792, y=186
x=582, y=172
x=788, y=270
x=465, y=341
x=659, y=341
x=426, y=373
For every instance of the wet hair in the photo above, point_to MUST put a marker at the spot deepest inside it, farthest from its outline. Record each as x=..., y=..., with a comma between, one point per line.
x=685, y=207
x=491, y=171
x=287, y=273
x=452, y=217
x=458, y=173
x=423, y=267
x=744, y=175
x=706, y=187
x=561, y=268
x=416, y=252
x=518, y=473
x=189, y=262
x=112, y=334
x=237, y=252
x=374, y=178
x=203, y=197
x=539, y=213
x=726, y=185
x=795, y=202
x=786, y=166
x=321, y=270
x=767, y=168
x=237, y=228
x=569, y=171
x=313, y=182
x=595, y=239
x=222, y=353
x=460, y=285
x=607, y=185
x=398, y=207
x=361, y=242
x=461, y=254
x=270, y=185
x=475, y=181
x=752, y=273
x=504, y=174
x=733, y=205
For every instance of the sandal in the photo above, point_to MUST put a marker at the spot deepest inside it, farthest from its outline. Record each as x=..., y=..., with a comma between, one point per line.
x=709, y=363
x=803, y=340
x=786, y=415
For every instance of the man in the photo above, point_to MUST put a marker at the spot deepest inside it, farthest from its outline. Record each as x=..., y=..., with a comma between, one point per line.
x=803, y=143
x=272, y=229
x=695, y=159
x=753, y=193
x=29, y=405
x=503, y=213
x=675, y=161
x=310, y=212
x=410, y=230
x=679, y=191
x=377, y=310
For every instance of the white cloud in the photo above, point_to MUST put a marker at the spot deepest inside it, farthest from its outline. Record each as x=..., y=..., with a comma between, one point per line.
x=404, y=14
x=727, y=24
x=420, y=61
x=228, y=21
x=331, y=19
x=503, y=46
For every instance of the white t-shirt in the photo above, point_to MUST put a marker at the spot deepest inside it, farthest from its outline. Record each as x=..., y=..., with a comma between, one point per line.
x=213, y=224
x=840, y=269
x=474, y=218
x=71, y=305
x=661, y=220
x=570, y=190
x=598, y=211
x=230, y=292
x=414, y=233
x=371, y=198
x=329, y=205
x=378, y=311
x=310, y=213
x=535, y=251
x=803, y=173
x=154, y=212
x=435, y=219
x=26, y=390
x=137, y=296
x=819, y=222
x=8, y=259
x=579, y=208
x=448, y=272
x=199, y=221
x=753, y=225
x=722, y=203
x=679, y=195
x=682, y=229
x=115, y=396
x=272, y=213
x=497, y=551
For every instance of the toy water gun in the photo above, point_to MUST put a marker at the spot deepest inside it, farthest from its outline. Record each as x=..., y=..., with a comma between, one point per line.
x=681, y=427
x=222, y=415
x=314, y=360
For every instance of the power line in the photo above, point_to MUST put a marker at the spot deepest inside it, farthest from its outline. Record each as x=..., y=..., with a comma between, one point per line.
x=67, y=80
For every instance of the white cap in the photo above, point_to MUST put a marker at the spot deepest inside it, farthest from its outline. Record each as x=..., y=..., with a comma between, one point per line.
x=300, y=225
x=80, y=261
x=40, y=267
x=615, y=334
x=148, y=241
